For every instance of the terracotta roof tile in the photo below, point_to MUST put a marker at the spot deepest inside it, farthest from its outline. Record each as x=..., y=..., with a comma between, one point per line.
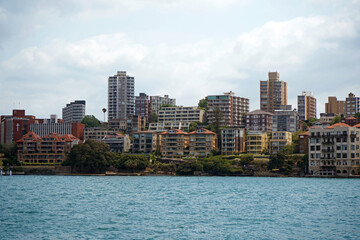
x=338, y=125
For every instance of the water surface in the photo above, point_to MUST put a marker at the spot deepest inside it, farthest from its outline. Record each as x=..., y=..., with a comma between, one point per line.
x=72, y=207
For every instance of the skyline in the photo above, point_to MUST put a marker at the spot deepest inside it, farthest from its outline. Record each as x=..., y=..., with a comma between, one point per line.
x=56, y=53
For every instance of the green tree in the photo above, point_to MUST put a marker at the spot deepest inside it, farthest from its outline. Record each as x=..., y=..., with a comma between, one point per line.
x=10, y=154
x=131, y=162
x=153, y=117
x=90, y=157
x=335, y=120
x=90, y=121
x=203, y=103
x=246, y=159
x=188, y=168
x=277, y=161
x=357, y=116
x=288, y=149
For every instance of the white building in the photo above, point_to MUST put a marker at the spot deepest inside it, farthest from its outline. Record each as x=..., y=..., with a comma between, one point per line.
x=74, y=111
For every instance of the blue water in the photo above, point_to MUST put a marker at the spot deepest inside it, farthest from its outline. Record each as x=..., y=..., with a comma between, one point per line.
x=73, y=207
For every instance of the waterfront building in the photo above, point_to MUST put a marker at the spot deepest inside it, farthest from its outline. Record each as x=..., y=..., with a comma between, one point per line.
x=157, y=101
x=227, y=109
x=232, y=141
x=121, y=98
x=174, y=143
x=118, y=143
x=352, y=105
x=43, y=129
x=146, y=142
x=74, y=111
x=97, y=133
x=279, y=140
x=303, y=142
x=259, y=120
x=351, y=121
x=306, y=106
x=142, y=106
x=14, y=127
x=335, y=106
x=334, y=150
x=285, y=119
x=257, y=142
x=51, y=149
x=326, y=118
x=273, y=93
x=202, y=142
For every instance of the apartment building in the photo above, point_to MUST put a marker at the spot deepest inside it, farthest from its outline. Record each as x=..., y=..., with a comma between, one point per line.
x=232, y=141
x=285, y=119
x=256, y=142
x=42, y=129
x=51, y=149
x=335, y=106
x=157, y=101
x=164, y=126
x=352, y=105
x=146, y=142
x=326, y=118
x=142, y=106
x=174, y=143
x=118, y=143
x=227, y=109
x=74, y=111
x=259, y=120
x=279, y=140
x=202, y=142
x=121, y=96
x=334, y=150
x=97, y=133
x=306, y=106
x=304, y=142
x=273, y=93
x=181, y=114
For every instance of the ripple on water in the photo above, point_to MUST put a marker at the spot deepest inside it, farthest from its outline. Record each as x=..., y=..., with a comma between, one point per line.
x=70, y=207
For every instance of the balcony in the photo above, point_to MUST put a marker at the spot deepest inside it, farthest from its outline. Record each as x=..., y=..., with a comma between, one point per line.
x=327, y=150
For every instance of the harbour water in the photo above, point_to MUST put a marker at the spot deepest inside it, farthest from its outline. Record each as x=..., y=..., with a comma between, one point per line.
x=94, y=207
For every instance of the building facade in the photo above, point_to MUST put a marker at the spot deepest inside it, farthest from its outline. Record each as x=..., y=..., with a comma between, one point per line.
x=227, y=109
x=259, y=120
x=43, y=129
x=174, y=143
x=232, y=141
x=51, y=149
x=157, y=101
x=306, y=106
x=146, y=142
x=273, y=93
x=202, y=142
x=334, y=151
x=118, y=143
x=352, y=105
x=142, y=105
x=335, y=106
x=304, y=142
x=97, y=133
x=74, y=111
x=285, y=119
x=14, y=127
x=181, y=114
x=164, y=126
x=279, y=140
x=121, y=96
x=257, y=142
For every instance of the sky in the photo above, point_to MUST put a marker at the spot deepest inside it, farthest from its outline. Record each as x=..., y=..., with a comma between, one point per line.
x=55, y=52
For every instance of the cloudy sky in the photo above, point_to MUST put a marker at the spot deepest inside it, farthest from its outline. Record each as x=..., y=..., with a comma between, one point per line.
x=54, y=52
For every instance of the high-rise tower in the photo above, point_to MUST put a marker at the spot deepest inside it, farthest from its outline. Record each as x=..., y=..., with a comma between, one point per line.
x=121, y=99
x=306, y=106
x=273, y=93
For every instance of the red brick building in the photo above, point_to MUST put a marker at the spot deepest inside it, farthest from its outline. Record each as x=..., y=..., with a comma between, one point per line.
x=303, y=142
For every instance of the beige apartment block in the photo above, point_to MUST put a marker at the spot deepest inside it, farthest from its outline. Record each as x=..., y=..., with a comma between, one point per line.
x=164, y=126
x=335, y=106
x=279, y=140
x=181, y=114
x=273, y=93
x=146, y=142
x=306, y=106
x=202, y=142
x=256, y=142
x=96, y=133
x=334, y=151
x=174, y=143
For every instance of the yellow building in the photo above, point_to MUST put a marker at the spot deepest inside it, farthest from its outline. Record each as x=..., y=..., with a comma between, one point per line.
x=174, y=143
x=256, y=142
x=202, y=142
x=279, y=140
